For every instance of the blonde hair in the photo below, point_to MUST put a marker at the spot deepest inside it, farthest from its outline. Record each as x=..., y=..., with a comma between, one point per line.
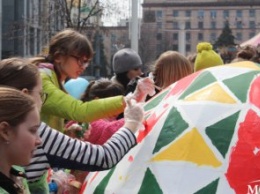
x=170, y=67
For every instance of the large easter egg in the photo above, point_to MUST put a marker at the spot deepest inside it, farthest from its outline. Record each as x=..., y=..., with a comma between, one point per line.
x=202, y=135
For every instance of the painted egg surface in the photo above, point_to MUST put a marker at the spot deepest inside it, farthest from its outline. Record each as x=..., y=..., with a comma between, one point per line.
x=202, y=135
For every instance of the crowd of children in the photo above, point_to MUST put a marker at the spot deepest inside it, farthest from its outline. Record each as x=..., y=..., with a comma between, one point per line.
x=42, y=127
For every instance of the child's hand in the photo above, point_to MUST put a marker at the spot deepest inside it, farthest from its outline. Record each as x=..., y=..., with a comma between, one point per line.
x=134, y=115
x=72, y=130
x=86, y=135
x=145, y=86
x=75, y=127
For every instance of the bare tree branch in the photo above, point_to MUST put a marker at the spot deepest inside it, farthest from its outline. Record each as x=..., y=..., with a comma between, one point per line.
x=79, y=14
x=93, y=12
x=67, y=9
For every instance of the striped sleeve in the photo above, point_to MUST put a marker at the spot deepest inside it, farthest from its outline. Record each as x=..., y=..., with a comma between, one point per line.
x=62, y=151
x=65, y=152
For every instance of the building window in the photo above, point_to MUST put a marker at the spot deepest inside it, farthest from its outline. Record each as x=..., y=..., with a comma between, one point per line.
x=200, y=14
x=113, y=38
x=159, y=48
x=175, y=36
x=187, y=25
x=159, y=25
x=200, y=36
x=239, y=36
x=200, y=25
x=226, y=14
x=28, y=8
x=252, y=13
x=252, y=24
x=38, y=40
x=239, y=24
x=239, y=14
x=159, y=15
x=40, y=12
x=188, y=13
x=32, y=41
x=175, y=47
x=213, y=36
x=213, y=14
x=213, y=25
x=187, y=36
x=113, y=48
x=159, y=36
x=175, y=25
x=175, y=13
x=188, y=48
x=251, y=34
x=149, y=16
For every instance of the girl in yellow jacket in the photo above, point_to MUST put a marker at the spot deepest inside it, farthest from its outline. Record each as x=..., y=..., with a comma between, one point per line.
x=69, y=54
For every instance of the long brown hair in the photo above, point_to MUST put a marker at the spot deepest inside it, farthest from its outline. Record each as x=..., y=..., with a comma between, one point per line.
x=18, y=73
x=170, y=67
x=14, y=105
x=66, y=42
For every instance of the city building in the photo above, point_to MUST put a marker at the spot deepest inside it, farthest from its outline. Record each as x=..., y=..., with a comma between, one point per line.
x=111, y=39
x=181, y=24
x=115, y=38
x=27, y=26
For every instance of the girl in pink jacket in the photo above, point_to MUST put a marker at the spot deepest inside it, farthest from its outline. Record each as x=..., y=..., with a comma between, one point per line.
x=99, y=131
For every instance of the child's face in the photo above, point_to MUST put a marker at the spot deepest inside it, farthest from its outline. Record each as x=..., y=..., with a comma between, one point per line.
x=71, y=66
x=24, y=139
x=133, y=73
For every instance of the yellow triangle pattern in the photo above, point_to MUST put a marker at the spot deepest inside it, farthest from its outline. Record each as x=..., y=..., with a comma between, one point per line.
x=191, y=148
x=246, y=64
x=212, y=93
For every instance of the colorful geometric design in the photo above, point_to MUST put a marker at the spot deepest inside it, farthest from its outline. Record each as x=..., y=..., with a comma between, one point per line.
x=150, y=181
x=179, y=148
x=202, y=135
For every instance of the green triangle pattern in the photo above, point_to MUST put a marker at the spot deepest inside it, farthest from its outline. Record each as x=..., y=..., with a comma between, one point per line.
x=155, y=101
x=221, y=133
x=173, y=126
x=201, y=81
x=100, y=189
x=150, y=184
x=243, y=81
x=210, y=188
